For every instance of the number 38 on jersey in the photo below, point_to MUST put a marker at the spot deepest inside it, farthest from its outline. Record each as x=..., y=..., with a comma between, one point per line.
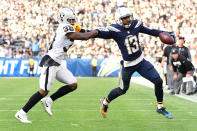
x=131, y=44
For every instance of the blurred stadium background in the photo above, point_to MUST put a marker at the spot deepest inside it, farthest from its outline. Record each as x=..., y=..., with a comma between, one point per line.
x=28, y=26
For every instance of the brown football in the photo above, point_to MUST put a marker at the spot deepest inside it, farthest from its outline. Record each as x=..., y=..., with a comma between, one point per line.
x=166, y=38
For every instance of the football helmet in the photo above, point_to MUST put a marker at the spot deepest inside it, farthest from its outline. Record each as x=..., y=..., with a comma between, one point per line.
x=121, y=13
x=64, y=14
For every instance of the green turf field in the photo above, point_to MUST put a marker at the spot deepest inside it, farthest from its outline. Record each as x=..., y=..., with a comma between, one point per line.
x=79, y=111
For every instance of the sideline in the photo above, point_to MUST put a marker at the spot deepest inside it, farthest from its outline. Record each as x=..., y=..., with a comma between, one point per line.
x=145, y=82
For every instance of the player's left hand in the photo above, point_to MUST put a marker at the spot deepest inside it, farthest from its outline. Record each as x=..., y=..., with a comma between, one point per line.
x=77, y=27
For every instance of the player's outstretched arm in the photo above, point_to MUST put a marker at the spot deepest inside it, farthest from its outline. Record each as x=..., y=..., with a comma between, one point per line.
x=149, y=31
x=82, y=36
x=165, y=37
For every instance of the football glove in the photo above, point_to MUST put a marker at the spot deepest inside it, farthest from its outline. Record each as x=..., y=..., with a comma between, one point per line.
x=77, y=27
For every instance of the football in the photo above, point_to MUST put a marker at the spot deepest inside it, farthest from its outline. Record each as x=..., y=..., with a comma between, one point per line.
x=166, y=38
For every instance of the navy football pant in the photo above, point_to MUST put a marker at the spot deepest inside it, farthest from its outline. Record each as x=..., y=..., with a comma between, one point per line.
x=145, y=69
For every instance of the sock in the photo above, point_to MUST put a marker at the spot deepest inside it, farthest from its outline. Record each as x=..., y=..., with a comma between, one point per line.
x=116, y=92
x=159, y=105
x=106, y=101
x=158, y=89
x=61, y=92
x=32, y=101
x=50, y=99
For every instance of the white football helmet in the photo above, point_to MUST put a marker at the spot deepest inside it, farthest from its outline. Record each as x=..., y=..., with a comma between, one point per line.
x=121, y=13
x=64, y=14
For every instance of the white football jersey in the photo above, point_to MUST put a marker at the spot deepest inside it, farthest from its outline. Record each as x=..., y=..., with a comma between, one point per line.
x=60, y=43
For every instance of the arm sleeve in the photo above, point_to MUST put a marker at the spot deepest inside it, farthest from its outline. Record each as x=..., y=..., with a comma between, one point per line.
x=83, y=31
x=104, y=33
x=148, y=31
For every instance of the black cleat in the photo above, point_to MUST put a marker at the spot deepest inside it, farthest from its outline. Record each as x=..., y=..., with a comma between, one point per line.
x=103, y=108
x=164, y=112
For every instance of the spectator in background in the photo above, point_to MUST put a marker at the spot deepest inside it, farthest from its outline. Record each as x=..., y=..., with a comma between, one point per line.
x=182, y=68
x=195, y=73
x=168, y=67
x=94, y=64
x=183, y=50
x=31, y=67
x=35, y=47
x=21, y=19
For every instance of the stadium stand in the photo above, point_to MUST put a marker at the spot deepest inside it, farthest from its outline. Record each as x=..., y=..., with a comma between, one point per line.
x=22, y=22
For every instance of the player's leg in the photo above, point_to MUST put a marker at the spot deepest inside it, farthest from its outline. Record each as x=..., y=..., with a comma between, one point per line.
x=124, y=82
x=184, y=87
x=170, y=79
x=46, y=81
x=64, y=76
x=148, y=71
x=178, y=82
x=190, y=86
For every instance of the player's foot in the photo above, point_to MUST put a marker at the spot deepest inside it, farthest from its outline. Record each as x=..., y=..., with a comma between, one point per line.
x=47, y=103
x=22, y=116
x=163, y=111
x=103, y=108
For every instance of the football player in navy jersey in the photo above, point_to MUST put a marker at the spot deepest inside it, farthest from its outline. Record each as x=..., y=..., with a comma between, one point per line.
x=126, y=34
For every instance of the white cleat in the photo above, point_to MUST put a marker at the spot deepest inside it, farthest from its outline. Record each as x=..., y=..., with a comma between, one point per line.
x=22, y=116
x=47, y=103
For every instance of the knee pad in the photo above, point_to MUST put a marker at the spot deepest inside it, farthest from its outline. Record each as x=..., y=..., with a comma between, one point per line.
x=158, y=82
x=121, y=91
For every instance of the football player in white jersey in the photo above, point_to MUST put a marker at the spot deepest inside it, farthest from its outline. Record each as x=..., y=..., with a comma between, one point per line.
x=51, y=65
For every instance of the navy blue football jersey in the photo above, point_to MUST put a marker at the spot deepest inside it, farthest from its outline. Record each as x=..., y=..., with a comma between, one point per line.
x=127, y=39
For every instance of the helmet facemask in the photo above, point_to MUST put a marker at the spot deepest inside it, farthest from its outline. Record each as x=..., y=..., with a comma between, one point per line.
x=67, y=16
x=122, y=13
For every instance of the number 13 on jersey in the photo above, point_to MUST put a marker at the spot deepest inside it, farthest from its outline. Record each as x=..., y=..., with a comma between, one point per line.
x=131, y=44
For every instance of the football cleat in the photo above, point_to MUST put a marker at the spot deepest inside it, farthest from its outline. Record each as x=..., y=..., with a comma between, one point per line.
x=164, y=112
x=47, y=103
x=22, y=116
x=103, y=108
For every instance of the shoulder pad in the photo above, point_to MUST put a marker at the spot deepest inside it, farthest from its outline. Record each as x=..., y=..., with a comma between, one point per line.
x=112, y=28
x=137, y=23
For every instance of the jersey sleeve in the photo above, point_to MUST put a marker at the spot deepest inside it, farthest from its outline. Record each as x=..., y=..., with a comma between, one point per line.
x=105, y=33
x=67, y=29
x=149, y=31
x=188, y=65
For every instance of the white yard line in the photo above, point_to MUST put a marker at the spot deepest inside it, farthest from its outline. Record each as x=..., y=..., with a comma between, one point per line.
x=93, y=110
x=130, y=119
